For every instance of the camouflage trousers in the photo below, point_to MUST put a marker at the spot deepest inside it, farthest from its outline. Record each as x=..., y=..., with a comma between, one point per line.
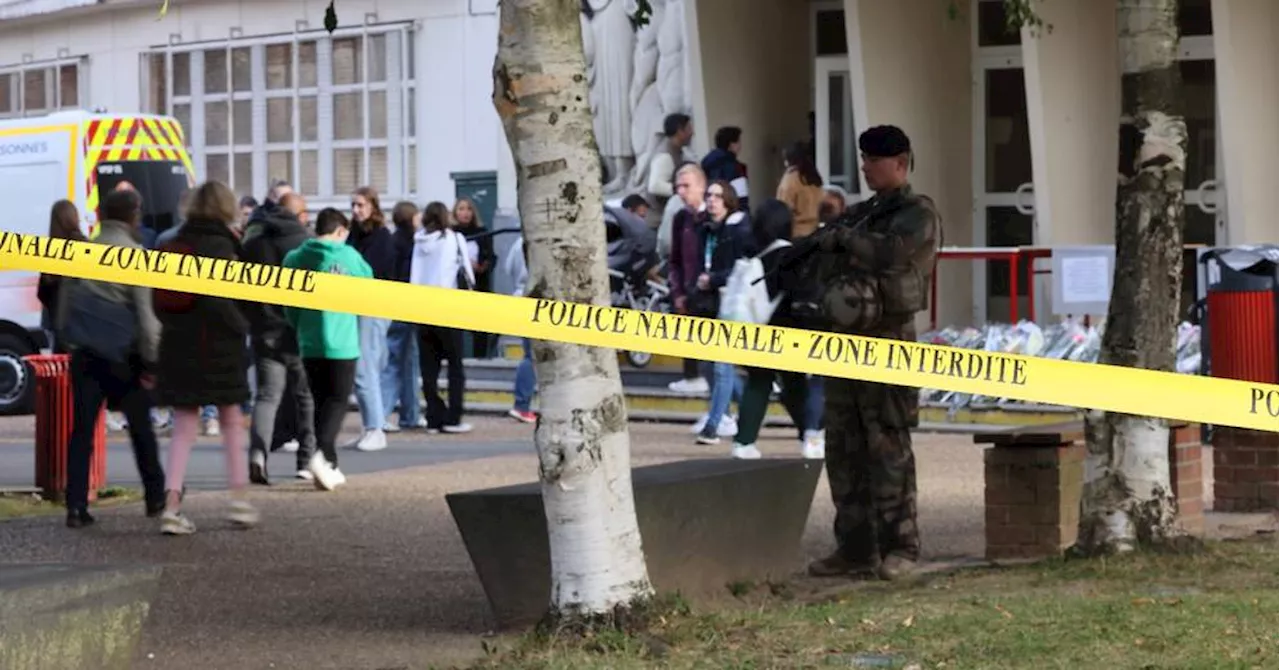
x=872, y=469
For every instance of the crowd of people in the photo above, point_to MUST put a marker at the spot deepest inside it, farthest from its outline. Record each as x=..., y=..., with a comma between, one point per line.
x=290, y=372
x=700, y=215
x=860, y=270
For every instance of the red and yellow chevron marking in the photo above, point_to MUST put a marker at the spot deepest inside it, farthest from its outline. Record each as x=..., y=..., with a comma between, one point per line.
x=132, y=139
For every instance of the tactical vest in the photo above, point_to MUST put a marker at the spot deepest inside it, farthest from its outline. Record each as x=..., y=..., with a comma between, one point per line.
x=859, y=300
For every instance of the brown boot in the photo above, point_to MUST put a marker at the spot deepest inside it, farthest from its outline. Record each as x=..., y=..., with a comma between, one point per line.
x=837, y=565
x=895, y=567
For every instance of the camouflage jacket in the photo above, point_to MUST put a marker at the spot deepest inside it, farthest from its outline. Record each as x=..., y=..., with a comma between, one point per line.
x=877, y=260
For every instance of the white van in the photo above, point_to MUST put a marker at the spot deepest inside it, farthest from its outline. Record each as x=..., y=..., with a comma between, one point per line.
x=76, y=156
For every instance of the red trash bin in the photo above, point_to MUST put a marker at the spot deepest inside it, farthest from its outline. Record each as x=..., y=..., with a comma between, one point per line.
x=54, y=418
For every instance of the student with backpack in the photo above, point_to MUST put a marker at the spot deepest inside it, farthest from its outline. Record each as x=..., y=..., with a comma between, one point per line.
x=203, y=358
x=769, y=301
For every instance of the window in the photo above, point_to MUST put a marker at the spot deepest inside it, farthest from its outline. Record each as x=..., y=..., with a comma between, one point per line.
x=327, y=113
x=35, y=89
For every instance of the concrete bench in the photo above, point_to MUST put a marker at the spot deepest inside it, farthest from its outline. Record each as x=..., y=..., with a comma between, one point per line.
x=1034, y=478
x=56, y=617
x=704, y=524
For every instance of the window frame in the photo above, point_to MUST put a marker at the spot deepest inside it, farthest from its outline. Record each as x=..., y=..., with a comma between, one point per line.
x=399, y=146
x=52, y=85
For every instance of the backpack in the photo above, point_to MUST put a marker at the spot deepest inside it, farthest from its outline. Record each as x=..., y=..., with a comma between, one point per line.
x=170, y=301
x=746, y=295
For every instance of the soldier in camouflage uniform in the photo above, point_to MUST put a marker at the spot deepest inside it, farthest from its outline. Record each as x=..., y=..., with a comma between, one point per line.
x=875, y=263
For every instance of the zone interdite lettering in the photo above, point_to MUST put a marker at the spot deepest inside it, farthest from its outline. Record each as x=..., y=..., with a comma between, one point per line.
x=1210, y=400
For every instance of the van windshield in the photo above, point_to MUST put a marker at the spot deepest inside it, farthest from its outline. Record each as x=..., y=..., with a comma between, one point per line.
x=160, y=183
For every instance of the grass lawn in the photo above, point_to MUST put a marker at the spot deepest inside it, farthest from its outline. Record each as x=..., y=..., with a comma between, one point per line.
x=15, y=506
x=1212, y=608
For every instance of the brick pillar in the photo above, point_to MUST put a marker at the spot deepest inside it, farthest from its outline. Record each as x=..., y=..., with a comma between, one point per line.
x=1186, y=474
x=1032, y=498
x=1244, y=470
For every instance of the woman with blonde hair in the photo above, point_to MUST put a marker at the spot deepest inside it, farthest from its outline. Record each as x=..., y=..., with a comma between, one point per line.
x=467, y=221
x=203, y=358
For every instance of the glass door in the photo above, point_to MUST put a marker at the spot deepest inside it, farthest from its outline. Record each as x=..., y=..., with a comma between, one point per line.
x=1004, y=202
x=1205, y=212
x=834, y=136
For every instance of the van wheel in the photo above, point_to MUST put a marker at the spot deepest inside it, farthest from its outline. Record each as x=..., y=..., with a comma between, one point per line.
x=17, y=383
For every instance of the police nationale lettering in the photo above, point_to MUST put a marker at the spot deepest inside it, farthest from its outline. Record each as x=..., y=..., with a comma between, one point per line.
x=659, y=326
x=1264, y=400
x=35, y=246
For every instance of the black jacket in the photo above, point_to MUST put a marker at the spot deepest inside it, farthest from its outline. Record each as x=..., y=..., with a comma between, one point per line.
x=377, y=248
x=272, y=232
x=732, y=240
x=487, y=258
x=202, y=354
x=402, y=244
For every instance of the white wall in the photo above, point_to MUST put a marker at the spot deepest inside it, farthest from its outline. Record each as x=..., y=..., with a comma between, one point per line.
x=456, y=126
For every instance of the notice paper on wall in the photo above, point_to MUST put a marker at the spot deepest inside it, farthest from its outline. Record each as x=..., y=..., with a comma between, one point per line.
x=1082, y=279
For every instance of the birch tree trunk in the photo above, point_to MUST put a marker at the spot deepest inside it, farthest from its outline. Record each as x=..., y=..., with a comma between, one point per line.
x=1127, y=494
x=540, y=92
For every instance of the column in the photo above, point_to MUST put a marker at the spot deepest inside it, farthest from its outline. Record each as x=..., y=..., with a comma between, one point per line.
x=1073, y=110
x=1244, y=39
x=910, y=66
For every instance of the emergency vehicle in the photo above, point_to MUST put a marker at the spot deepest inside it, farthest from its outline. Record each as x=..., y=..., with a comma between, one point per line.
x=78, y=156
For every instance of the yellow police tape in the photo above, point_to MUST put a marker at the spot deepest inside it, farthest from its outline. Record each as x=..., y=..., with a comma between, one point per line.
x=1192, y=398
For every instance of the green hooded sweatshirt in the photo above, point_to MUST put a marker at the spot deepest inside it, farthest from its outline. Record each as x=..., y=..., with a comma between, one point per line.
x=323, y=334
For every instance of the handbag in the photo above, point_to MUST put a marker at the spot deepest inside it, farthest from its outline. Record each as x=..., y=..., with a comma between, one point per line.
x=98, y=325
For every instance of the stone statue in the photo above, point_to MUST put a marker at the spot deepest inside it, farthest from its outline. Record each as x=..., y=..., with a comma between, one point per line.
x=637, y=78
x=608, y=42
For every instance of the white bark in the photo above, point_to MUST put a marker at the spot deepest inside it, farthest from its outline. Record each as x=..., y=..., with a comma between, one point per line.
x=541, y=94
x=1127, y=498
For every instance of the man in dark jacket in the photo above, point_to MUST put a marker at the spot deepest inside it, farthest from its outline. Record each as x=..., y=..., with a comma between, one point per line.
x=722, y=163
x=274, y=230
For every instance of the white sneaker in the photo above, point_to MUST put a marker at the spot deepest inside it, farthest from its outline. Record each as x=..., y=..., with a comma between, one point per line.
x=814, y=445
x=745, y=451
x=777, y=388
x=116, y=422
x=322, y=474
x=421, y=423
x=389, y=427
x=304, y=475
x=372, y=440
x=174, y=523
x=690, y=386
x=457, y=428
x=338, y=478
x=243, y=514
x=728, y=426
x=211, y=428
x=290, y=447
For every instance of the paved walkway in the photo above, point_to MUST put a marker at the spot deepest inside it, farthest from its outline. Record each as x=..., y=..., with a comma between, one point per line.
x=375, y=576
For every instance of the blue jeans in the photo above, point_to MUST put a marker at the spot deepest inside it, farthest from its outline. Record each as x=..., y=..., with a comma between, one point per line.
x=726, y=386
x=373, y=358
x=400, y=378
x=526, y=378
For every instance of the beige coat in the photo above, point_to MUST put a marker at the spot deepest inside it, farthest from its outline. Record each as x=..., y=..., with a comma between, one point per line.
x=804, y=201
